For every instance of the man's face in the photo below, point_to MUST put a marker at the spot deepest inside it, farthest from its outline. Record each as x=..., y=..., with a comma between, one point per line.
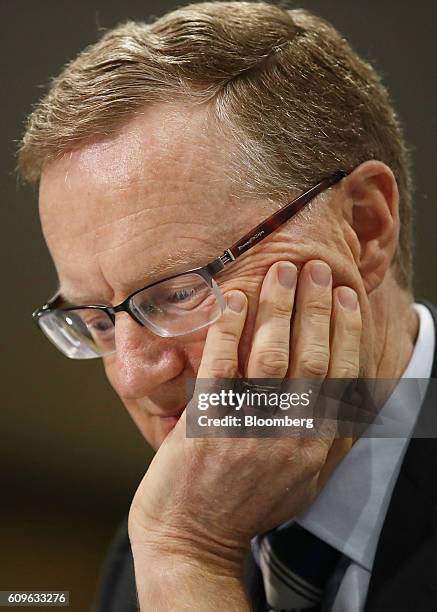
x=151, y=201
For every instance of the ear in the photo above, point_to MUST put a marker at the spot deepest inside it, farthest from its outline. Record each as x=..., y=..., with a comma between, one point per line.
x=372, y=188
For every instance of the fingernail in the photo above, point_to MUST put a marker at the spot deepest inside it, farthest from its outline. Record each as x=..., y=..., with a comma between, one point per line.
x=347, y=298
x=321, y=274
x=287, y=274
x=236, y=301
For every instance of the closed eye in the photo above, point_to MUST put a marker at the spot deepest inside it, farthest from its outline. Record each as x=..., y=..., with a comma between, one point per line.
x=181, y=295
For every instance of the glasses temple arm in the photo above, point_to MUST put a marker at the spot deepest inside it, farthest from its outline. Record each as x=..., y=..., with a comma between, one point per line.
x=269, y=225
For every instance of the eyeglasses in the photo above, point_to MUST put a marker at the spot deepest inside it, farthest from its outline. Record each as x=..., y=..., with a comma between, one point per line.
x=174, y=306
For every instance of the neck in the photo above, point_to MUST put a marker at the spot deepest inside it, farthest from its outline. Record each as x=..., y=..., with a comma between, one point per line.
x=395, y=327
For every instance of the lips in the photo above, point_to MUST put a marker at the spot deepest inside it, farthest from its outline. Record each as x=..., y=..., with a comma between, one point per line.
x=171, y=417
x=168, y=421
x=174, y=414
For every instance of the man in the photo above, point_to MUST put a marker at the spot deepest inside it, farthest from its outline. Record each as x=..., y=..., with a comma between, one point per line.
x=158, y=148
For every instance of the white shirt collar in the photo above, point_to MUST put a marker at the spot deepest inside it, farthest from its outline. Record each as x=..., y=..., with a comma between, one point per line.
x=351, y=508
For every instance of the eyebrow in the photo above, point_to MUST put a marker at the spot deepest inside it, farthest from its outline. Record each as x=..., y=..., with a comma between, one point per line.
x=70, y=297
x=182, y=258
x=264, y=229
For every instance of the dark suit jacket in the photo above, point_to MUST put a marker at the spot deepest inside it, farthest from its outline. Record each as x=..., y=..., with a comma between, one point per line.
x=404, y=576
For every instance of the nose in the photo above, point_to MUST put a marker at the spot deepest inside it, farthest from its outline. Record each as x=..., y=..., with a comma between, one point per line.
x=143, y=361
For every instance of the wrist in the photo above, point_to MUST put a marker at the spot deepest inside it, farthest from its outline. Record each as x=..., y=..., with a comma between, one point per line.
x=191, y=544
x=190, y=552
x=169, y=579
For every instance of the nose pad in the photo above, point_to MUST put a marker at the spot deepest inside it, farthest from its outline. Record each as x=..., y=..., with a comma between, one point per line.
x=143, y=361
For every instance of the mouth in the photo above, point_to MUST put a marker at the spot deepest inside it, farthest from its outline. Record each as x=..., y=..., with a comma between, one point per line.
x=169, y=420
x=171, y=415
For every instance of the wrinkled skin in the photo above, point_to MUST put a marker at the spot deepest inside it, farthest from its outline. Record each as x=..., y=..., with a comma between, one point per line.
x=153, y=200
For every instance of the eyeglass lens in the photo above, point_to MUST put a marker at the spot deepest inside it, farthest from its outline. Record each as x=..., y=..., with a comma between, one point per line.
x=173, y=307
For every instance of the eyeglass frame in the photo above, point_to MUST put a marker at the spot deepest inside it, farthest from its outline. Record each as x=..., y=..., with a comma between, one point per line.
x=214, y=267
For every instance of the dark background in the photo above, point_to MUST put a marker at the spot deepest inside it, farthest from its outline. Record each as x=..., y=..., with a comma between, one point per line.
x=70, y=457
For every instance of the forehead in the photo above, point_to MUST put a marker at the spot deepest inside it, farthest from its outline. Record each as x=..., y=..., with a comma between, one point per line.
x=152, y=197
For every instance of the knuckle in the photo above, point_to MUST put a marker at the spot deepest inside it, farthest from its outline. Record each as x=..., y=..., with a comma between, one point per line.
x=314, y=363
x=318, y=308
x=271, y=363
x=284, y=454
x=282, y=310
x=349, y=364
x=228, y=335
x=346, y=372
x=223, y=367
x=317, y=317
x=315, y=453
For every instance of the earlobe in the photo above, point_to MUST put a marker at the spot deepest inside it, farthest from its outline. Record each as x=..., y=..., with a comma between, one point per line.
x=372, y=189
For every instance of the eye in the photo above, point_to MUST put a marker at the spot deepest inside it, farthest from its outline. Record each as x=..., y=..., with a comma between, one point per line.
x=97, y=324
x=148, y=308
x=100, y=326
x=181, y=295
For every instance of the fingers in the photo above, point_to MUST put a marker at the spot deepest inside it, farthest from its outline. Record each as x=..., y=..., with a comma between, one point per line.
x=310, y=348
x=269, y=356
x=220, y=353
x=346, y=325
x=345, y=334
x=325, y=336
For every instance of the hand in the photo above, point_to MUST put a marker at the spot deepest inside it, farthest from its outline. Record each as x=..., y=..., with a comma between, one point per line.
x=204, y=499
